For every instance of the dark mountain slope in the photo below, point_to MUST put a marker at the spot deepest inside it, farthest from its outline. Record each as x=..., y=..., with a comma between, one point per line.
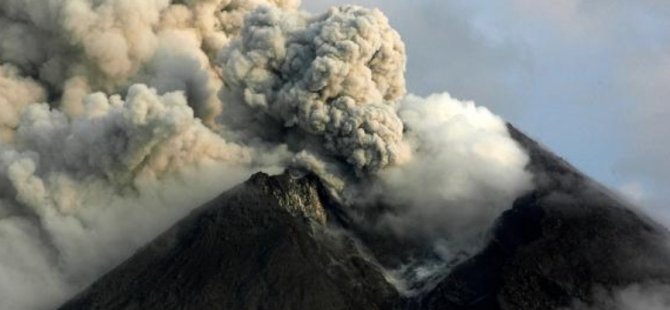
x=556, y=245
x=260, y=246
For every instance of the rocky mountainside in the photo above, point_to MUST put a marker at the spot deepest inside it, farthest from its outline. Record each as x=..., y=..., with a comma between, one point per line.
x=262, y=245
x=556, y=245
x=278, y=242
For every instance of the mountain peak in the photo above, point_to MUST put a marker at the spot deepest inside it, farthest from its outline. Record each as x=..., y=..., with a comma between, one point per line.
x=269, y=243
x=296, y=192
x=262, y=245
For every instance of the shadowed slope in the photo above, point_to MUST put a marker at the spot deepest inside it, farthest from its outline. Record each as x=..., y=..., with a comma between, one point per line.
x=557, y=244
x=262, y=245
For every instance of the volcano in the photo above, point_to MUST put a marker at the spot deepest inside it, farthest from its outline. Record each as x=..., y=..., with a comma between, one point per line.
x=128, y=129
x=281, y=242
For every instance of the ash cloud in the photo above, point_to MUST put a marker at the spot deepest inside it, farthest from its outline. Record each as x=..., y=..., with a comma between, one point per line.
x=87, y=191
x=337, y=77
x=118, y=117
x=16, y=92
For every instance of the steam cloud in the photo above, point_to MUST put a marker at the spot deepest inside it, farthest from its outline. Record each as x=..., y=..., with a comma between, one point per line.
x=460, y=151
x=118, y=117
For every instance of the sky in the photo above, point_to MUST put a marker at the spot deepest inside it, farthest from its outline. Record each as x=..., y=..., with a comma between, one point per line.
x=585, y=78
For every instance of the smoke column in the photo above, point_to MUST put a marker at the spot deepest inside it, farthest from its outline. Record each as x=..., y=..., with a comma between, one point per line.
x=117, y=117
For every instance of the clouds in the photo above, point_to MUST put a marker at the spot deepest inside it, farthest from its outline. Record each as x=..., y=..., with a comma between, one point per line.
x=80, y=194
x=635, y=36
x=15, y=93
x=585, y=72
x=450, y=49
x=604, y=65
x=49, y=258
x=646, y=159
x=118, y=117
x=336, y=77
x=78, y=47
x=339, y=77
x=118, y=138
x=465, y=171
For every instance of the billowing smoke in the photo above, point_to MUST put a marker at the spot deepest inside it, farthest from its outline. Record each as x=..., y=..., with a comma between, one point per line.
x=117, y=117
x=15, y=93
x=75, y=47
x=337, y=77
x=90, y=189
x=466, y=170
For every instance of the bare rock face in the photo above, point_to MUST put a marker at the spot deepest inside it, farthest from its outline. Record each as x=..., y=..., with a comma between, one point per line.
x=279, y=243
x=262, y=245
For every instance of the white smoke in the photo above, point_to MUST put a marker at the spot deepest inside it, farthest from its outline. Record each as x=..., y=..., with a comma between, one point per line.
x=117, y=117
x=465, y=171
